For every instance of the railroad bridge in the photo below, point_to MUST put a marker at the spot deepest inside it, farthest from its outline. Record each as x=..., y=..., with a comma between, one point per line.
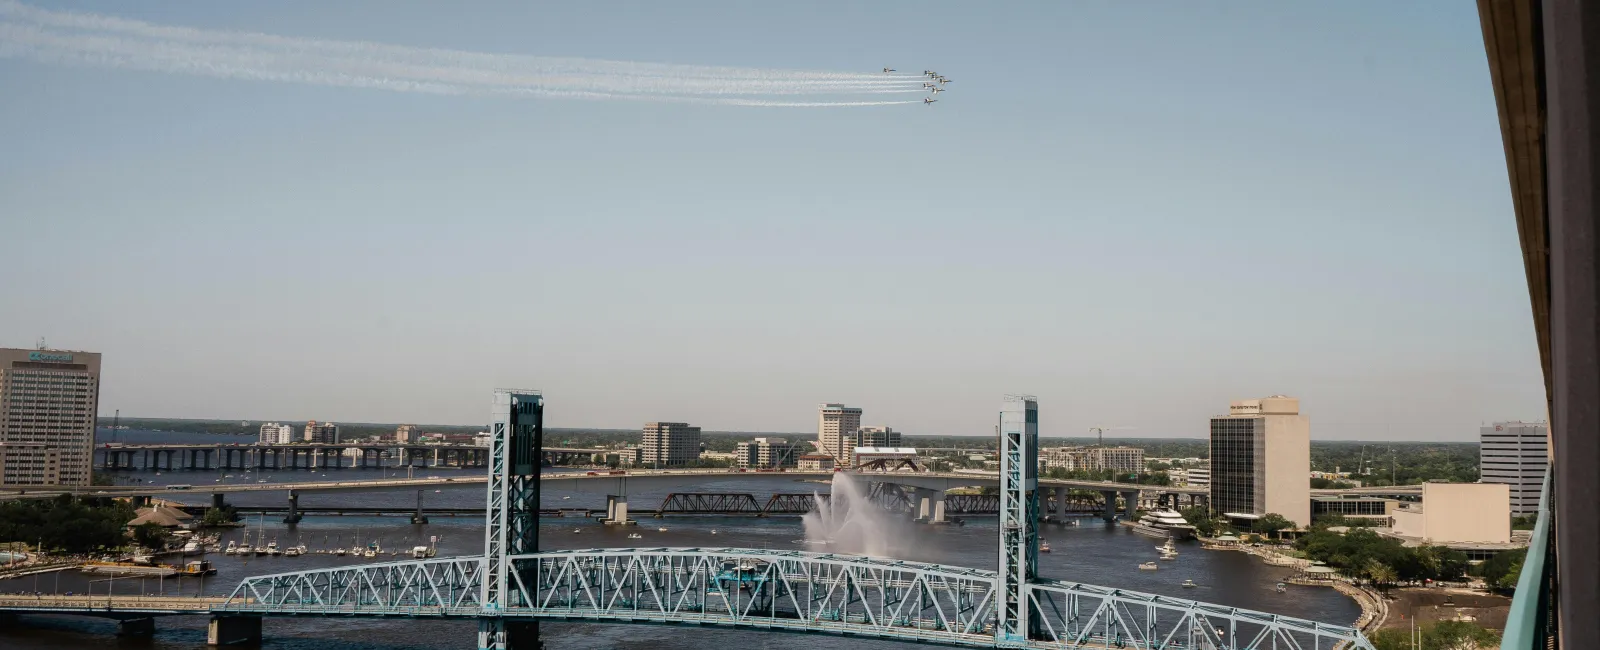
x=513, y=585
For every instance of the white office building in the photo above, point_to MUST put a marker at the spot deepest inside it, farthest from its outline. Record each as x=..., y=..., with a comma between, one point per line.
x=837, y=425
x=669, y=444
x=1516, y=454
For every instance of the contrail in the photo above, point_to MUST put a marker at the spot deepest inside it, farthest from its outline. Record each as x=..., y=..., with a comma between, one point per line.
x=97, y=40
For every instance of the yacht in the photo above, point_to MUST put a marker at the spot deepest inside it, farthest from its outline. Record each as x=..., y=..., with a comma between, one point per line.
x=232, y=548
x=419, y=552
x=1188, y=584
x=1149, y=566
x=193, y=547
x=339, y=551
x=635, y=536
x=272, y=548
x=1164, y=523
x=1044, y=545
x=1280, y=587
x=292, y=551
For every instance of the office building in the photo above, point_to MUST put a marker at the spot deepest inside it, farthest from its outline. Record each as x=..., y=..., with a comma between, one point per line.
x=836, y=423
x=1515, y=454
x=1122, y=460
x=273, y=433
x=325, y=432
x=1197, y=476
x=407, y=433
x=1260, y=454
x=669, y=444
x=48, y=403
x=815, y=463
x=767, y=453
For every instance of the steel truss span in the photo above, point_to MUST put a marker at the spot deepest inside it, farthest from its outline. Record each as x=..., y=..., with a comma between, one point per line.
x=781, y=591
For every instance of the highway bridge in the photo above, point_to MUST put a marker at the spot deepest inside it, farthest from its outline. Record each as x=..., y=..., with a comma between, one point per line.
x=513, y=584
x=307, y=455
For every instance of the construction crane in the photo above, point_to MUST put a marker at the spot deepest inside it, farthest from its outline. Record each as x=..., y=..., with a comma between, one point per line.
x=1100, y=434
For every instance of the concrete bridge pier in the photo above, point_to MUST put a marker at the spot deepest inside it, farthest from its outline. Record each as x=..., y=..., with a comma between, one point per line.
x=1130, y=504
x=294, y=509
x=501, y=634
x=419, y=518
x=230, y=630
x=617, y=511
x=1110, y=513
x=137, y=626
x=930, y=505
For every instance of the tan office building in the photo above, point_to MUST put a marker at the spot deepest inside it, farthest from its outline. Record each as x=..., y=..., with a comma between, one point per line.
x=48, y=403
x=836, y=427
x=1260, y=456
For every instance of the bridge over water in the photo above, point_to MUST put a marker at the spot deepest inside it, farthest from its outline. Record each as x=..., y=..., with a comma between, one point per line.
x=513, y=584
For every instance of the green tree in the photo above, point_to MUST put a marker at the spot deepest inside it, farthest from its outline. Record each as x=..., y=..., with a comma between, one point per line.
x=1380, y=574
x=219, y=516
x=1508, y=582
x=150, y=535
x=1271, y=523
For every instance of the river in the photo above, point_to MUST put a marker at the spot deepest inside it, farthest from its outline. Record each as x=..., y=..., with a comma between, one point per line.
x=1094, y=553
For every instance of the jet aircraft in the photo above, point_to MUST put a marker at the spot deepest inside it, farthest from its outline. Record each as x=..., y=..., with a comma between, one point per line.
x=929, y=100
x=888, y=69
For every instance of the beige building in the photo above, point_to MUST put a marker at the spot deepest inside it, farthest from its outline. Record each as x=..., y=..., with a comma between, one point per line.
x=273, y=433
x=815, y=463
x=1094, y=459
x=1456, y=513
x=836, y=425
x=407, y=433
x=1260, y=454
x=323, y=432
x=669, y=444
x=48, y=403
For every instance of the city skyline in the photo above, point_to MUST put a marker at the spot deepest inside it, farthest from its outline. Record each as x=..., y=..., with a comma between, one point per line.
x=1094, y=214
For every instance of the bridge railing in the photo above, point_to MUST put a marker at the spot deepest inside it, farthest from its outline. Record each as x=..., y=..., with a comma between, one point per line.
x=416, y=587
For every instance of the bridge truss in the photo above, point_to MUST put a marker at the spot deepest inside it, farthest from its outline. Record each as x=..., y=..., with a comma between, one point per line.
x=780, y=590
x=514, y=585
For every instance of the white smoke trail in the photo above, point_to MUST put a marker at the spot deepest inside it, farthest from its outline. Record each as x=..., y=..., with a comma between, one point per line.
x=107, y=41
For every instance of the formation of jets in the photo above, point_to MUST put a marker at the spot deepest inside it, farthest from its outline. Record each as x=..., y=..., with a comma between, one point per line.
x=933, y=86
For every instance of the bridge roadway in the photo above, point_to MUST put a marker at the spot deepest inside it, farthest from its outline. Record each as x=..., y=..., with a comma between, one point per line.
x=614, y=483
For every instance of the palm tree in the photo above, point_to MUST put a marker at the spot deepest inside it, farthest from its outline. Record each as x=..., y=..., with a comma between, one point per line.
x=1381, y=574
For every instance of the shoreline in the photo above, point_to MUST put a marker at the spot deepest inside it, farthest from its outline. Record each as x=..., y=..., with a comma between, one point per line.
x=1374, y=608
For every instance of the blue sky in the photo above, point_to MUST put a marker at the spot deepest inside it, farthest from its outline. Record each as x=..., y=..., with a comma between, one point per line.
x=1135, y=212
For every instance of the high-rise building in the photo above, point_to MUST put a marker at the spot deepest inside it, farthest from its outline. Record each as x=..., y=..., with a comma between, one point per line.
x=1260, y=456
x=407, y=433
x=48, y=403
x=669, y=444
x=836, y=423
x=273, y=433
x=1096, y=459
x=325, y=432
x=767, y=453
x=1516, y=454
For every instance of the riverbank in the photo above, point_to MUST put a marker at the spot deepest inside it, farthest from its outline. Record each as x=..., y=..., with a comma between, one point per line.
x=1374, y=607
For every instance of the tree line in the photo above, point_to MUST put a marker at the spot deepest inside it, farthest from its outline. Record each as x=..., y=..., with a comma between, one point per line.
x=64, y=524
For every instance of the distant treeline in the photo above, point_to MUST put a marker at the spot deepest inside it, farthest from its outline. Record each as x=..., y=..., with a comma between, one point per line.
x=1384, y=462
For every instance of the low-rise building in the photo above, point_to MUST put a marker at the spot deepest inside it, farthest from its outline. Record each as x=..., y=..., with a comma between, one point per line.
x=1456, y=513
x=767, y=453
x=885, y=458
x=815, y=463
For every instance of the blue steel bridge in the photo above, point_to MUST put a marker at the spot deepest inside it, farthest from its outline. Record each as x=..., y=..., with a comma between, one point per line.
x=514, y=585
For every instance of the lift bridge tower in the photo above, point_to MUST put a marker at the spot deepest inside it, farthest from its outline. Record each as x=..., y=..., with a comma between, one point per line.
x=1017, y=619
x=516, y=449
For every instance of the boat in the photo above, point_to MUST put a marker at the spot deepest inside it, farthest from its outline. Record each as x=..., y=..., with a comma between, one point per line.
x=193, y=547
x=1280, y=587
x=1168, y=547
x=1149, y=566
x=339, y=551
x=1164, y=523
x=1188, y=584
x=292, y=551
x=661, y=529
x=419, y=552
x=369, y=553
x=232, y=548
x=145, y=560
x=272, y=547
x=635, y=536
x=1044, y=545
x=197, y=568
x=120, y=569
